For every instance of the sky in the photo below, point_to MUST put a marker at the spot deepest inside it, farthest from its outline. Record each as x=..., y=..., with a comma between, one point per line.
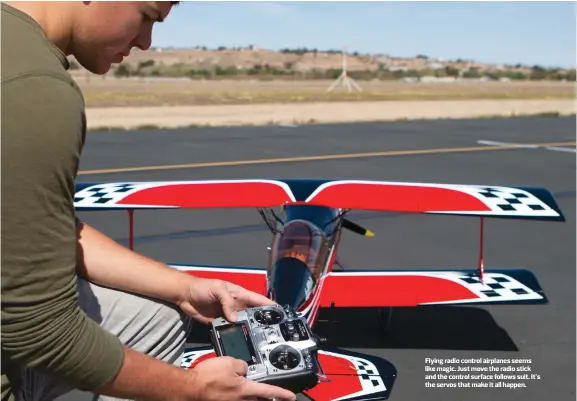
x=529, y=33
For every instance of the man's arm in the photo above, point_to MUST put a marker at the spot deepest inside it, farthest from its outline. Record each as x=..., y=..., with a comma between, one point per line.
x=105, y=262
x=145, y=378
x=42, y=324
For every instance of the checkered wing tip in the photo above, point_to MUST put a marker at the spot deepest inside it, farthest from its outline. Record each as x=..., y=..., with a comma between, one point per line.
x=506, y=286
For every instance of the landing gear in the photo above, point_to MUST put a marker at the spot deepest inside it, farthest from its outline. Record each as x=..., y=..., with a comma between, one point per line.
x=385, y=316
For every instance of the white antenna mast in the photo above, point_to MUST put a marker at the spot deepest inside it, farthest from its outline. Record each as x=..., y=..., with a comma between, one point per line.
x=344, y=79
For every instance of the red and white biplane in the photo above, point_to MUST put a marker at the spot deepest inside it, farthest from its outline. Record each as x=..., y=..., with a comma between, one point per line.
x=306, y=218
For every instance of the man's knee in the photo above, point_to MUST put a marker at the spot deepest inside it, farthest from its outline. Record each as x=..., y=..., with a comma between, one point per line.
x=158, y=329
x=150, y=326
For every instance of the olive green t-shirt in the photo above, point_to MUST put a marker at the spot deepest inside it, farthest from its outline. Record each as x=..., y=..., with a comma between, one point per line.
x=43, y=132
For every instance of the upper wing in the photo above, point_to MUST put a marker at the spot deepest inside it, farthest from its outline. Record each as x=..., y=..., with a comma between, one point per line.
x=465, y=200
x=252, y=279
x=412, y=288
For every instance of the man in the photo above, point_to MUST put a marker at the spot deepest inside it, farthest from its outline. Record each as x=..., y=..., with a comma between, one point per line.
x=70, y=314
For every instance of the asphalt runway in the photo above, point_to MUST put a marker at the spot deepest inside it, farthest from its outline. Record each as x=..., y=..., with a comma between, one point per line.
x=544, y=333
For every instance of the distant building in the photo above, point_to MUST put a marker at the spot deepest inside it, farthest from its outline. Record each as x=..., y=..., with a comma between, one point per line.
x=434, y=65
x=398, y=68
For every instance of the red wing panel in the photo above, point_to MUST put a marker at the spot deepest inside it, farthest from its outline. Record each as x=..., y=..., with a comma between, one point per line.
x=392, y=288
x=397, y=198
x=408, y=197
x=251, y=279
x=186, y=194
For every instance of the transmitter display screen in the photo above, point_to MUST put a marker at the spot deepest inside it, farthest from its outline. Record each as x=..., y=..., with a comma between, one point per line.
x=236, y=343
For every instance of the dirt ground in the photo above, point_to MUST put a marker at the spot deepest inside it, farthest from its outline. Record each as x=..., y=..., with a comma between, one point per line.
x=328, y=112
x=134, y=92
x=140, y=103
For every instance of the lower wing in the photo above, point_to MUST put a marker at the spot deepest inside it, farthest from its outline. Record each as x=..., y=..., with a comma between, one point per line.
x=253, y=279
x=375, y=288
x=346, y=376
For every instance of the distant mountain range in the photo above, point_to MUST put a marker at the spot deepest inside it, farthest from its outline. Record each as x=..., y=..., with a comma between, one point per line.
x=303, y=63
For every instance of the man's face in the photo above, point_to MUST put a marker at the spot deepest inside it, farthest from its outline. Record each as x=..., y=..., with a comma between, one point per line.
x=105, y=32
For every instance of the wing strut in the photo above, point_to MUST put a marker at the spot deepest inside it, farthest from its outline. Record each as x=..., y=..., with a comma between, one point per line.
x=481, y=262
x=131, y=229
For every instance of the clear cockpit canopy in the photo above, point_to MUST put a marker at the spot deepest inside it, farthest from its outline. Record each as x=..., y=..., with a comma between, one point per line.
x=298, y=257
x=301, y=240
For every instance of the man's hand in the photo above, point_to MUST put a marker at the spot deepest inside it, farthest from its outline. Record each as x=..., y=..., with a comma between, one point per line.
x=209, y=299
x=222, y=378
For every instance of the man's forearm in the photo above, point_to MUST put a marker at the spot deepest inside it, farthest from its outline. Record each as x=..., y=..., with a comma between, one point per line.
x=105, y=262
x=145, y=378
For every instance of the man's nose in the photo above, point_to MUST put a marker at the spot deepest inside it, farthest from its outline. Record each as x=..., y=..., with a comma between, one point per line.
x=144, y=40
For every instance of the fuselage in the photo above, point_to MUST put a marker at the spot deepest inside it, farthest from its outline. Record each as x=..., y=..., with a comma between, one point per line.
x=302, y=254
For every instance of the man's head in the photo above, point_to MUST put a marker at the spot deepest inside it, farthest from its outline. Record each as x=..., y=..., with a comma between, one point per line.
x=105, y=32
x=98, y=33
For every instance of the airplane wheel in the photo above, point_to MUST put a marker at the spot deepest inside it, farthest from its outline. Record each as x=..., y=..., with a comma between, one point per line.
x=385, y=319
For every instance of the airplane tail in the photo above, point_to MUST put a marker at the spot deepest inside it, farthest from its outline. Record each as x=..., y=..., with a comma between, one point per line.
x=351, y=376
x=346, y=375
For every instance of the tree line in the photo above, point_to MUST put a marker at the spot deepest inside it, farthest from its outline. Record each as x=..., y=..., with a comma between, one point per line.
x=148, y=68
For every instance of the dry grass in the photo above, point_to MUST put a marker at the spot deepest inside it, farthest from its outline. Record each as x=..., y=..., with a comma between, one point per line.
x=112, y=92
